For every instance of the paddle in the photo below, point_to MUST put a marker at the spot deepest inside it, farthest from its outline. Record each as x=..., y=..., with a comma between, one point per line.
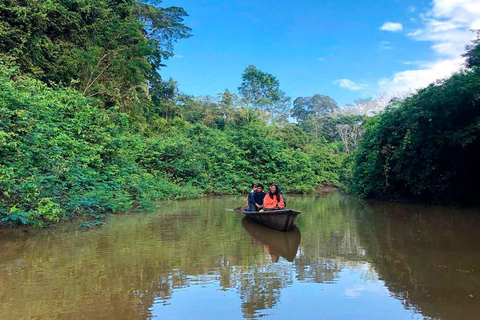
x=235, y=209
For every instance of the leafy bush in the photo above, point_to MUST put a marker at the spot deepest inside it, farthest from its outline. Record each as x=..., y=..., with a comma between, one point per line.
x=61, y=156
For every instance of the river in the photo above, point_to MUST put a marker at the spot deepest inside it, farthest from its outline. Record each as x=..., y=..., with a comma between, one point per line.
x=195, y=260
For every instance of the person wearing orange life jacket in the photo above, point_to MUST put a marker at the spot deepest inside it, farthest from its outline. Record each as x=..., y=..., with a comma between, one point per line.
x=273, y=199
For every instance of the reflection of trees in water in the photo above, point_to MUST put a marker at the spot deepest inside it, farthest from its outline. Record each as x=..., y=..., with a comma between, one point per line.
x=323, y=270
x=427, y=256
x=260, y=287
x=330, y=240
x=120, y=270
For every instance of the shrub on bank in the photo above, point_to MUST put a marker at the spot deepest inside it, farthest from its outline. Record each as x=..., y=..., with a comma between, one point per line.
x=61, y=156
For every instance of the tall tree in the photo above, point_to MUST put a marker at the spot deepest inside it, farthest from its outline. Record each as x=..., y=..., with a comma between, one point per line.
x=261, y=90
x=228, y=102
x=318, y=105
x=104, y=48
x=310, y=112
x=164, y=95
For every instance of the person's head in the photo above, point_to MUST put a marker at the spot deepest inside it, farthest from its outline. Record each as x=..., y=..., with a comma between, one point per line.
x=274, y=191
x=254, y=187
x=259, y=187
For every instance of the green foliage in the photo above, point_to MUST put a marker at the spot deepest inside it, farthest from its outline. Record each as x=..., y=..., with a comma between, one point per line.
x=472, y=53
x=316, y=106
x=272, y=159
x=107, y=49
x=88, y=127
x=425, y=148
x=61, y=156
x=261, y=90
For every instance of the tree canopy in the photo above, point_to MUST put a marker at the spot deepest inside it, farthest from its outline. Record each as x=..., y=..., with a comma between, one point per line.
x=317, y=105
x=472, y=53
x=426, y=147
x=261, y=90
x=105, y=49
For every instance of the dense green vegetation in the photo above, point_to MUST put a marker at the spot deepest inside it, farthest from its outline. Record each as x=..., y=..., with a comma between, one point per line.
x=89, y=127
x=426, y=147
x=61, y=155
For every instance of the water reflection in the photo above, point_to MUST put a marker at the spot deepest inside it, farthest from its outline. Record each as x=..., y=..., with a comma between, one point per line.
x=275, y=243
x=193, y=259
x=429, y=257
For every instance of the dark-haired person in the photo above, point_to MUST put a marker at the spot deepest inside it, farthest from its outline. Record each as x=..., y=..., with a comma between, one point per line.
x=257, y=199
x=273, y=200
x=254, y=189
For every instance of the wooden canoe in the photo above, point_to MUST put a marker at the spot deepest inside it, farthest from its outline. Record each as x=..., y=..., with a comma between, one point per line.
x=281, y=220
x=275, y=243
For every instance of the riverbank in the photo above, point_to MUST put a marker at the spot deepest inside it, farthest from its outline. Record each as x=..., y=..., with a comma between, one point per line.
x=97, y=220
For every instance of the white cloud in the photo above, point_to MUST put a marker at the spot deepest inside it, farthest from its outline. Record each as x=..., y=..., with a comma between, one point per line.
x=409, y=63
x=392, y=27
x=349, y=84
x=410, y=80
x=447, y=26
x=356, y=291
x=385, y=45
x=321, y=59
x=412, y=9
x=178, y=56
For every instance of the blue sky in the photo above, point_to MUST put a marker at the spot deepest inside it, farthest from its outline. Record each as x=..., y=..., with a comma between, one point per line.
x=336, y=48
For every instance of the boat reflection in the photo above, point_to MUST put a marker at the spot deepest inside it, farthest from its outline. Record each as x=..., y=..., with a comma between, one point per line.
x=276, y=243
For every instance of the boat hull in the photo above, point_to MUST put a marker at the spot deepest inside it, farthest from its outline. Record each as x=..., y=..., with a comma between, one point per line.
x=281, y=220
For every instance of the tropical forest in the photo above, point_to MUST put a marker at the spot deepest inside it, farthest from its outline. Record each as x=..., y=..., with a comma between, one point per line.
x=96, y=137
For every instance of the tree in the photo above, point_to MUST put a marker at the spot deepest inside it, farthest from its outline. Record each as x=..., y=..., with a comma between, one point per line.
x=164, y=96
x=473, y=53
x=229, y=102
x=310, y=111
x=350, y=135
x=261, y=91
x=425, y=147
x=105, y=49
x=368, y=107
x=318, y=105
x=330, y=125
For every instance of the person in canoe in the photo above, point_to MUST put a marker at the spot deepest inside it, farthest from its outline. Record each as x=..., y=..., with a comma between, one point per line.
x=256, y=200
x=273, y=200
x=254, y=189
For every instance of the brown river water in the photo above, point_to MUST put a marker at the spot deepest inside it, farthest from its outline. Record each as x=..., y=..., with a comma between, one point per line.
x=193, y=259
